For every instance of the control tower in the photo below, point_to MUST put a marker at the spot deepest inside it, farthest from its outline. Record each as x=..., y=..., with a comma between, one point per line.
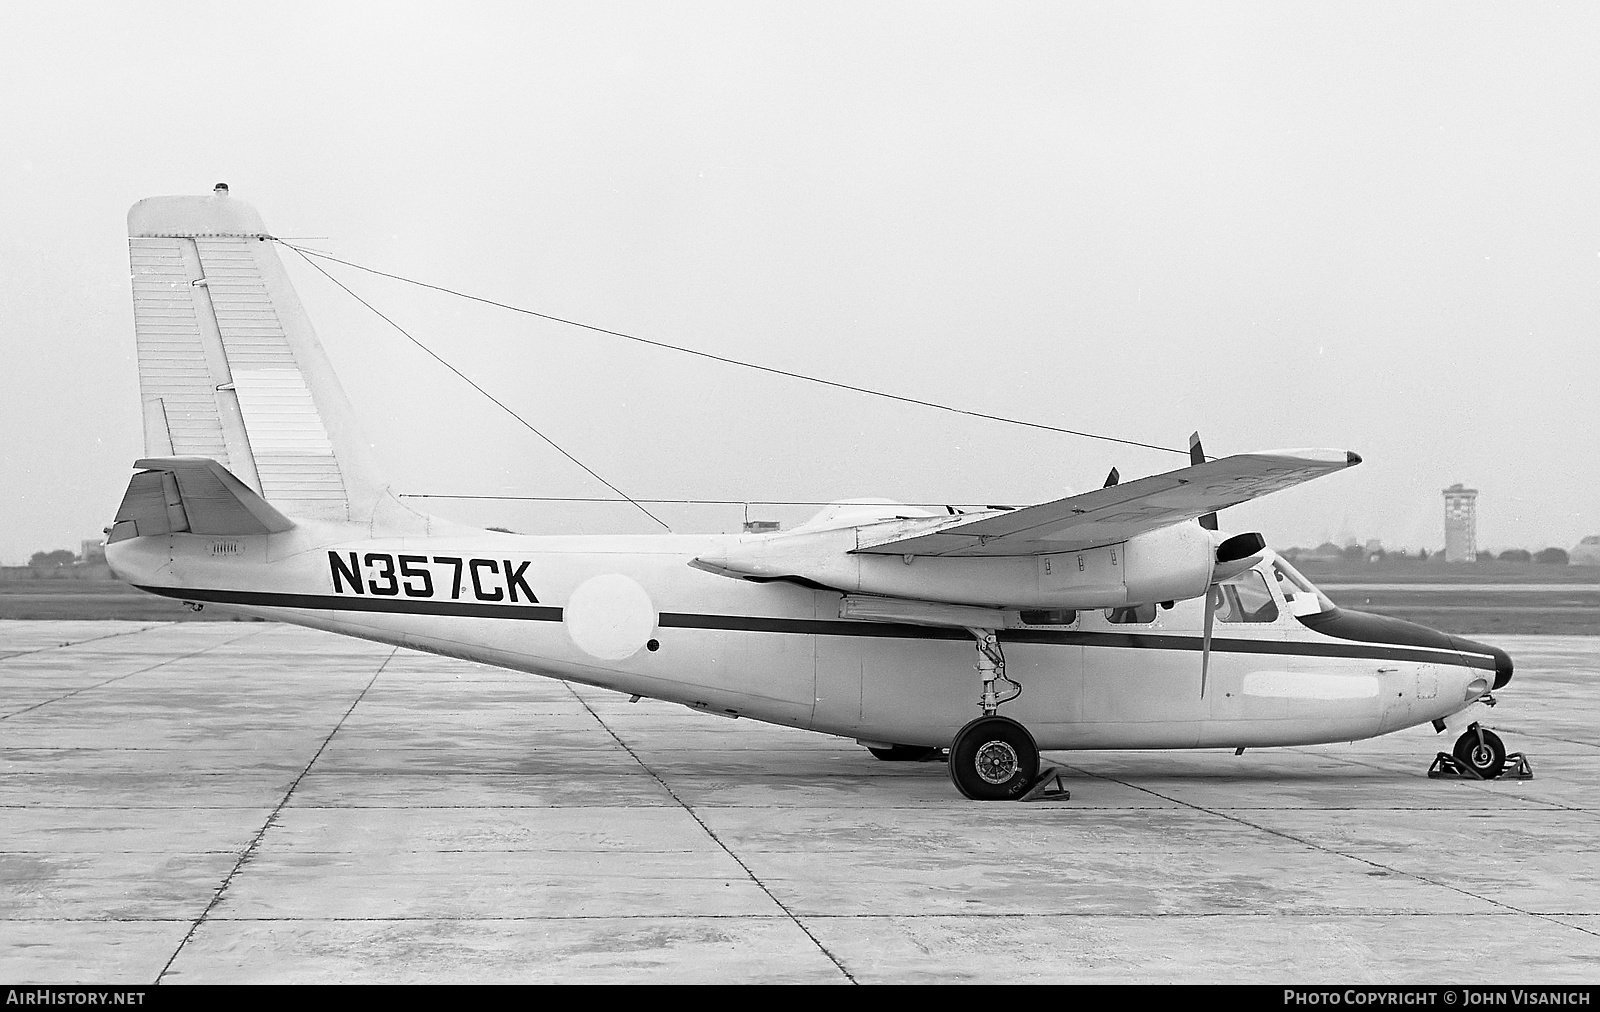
x=1460, y=524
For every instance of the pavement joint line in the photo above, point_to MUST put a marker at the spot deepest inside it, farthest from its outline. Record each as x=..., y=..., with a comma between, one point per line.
x=255, y=841
x=1141, y=809
x=130, y=674
x=91, y=639
x=717, y=840
x=1477, y=785
x=1223, y=814
x=1484, y=787
x=778, y=917
x=1546, y=737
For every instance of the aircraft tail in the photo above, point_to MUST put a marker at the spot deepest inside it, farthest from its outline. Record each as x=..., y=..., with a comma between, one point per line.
x=231, y=370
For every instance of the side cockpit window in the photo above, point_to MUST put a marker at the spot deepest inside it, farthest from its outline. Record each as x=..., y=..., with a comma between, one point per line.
x=1245, y=598
x=1298, y=592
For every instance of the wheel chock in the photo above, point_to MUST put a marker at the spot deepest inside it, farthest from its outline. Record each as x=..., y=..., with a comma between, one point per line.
x=1449, y=767
x=1047, y=786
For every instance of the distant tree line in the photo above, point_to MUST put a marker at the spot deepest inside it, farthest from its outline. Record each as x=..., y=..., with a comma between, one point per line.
x=1552, y=556
x=1360, y=553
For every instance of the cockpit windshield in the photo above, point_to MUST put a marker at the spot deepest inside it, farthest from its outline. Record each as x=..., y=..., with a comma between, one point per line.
x=1301, y=594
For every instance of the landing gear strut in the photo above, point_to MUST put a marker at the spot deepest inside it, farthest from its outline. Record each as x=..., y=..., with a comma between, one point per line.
x=994, y=758
x=992, y=668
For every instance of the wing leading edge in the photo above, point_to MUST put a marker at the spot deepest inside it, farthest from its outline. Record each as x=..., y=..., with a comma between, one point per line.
x=1116, y=513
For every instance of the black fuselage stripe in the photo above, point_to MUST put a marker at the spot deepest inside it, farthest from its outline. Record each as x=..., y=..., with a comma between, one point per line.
x=321, y=602
x=825, y=627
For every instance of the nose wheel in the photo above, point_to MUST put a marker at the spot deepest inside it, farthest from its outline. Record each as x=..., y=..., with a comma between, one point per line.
x=1479, y=754
x=994, y=759
x=1481, y=751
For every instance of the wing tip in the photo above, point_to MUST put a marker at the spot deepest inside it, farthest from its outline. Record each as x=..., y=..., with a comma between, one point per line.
x=1310, y=455
x=215, y=213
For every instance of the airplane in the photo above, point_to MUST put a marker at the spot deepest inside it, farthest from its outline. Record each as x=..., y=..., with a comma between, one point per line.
x=1119, y=618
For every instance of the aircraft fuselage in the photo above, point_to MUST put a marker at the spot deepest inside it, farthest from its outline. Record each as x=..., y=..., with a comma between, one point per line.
x=631, y=614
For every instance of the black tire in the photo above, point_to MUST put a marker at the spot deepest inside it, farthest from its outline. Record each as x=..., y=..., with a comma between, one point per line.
x=1482, y=751
x=994, y=759
x=903, y=753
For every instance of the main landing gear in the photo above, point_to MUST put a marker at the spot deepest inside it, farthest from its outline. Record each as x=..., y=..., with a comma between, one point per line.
x=1479, y=754
x=994, y=758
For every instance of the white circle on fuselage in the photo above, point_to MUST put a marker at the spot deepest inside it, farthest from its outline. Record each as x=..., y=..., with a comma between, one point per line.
x=610, y=617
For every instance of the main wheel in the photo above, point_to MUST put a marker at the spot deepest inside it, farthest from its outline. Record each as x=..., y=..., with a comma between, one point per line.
x=903, y=753
x=1482, y=750
x=993, y=759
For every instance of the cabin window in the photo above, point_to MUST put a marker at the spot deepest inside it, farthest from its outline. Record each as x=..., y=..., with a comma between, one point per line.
x=1053, y=616
x=1245, y=598
x=1138, y=614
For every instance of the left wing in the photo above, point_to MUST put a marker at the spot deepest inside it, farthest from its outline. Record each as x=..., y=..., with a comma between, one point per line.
x=1116, y=513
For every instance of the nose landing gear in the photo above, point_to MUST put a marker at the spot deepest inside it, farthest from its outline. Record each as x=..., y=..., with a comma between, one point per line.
x=1479, y=754
x=1481, y=751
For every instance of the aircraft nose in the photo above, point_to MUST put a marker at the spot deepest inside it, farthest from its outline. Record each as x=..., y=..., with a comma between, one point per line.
x=1502, y=660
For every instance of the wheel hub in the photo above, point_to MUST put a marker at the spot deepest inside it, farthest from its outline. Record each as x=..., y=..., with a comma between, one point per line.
x=996, y=762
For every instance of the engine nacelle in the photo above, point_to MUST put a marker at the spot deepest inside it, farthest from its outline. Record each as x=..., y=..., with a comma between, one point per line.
x=1172, y=563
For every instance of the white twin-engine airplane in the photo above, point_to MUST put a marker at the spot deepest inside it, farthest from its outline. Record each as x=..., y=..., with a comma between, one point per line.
x=1131, y=622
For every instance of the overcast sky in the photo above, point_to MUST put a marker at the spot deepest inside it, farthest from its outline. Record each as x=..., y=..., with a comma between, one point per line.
x=1364, y=226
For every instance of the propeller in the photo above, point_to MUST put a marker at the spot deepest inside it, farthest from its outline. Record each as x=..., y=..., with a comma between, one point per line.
x=1239, y=548
x=1198, y=456
x=1235, y=549
x=1233, y=556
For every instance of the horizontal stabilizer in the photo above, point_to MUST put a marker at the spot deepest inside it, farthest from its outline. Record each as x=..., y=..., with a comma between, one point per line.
x=1116, y=513
x=192, y=495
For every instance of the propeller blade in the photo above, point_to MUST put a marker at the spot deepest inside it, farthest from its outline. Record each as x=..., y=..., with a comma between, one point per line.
x=1112, y=478
x=1205, y=640
x=1197, y=455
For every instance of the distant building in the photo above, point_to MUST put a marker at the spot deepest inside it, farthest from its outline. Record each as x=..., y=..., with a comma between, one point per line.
x=93, y=553
x=1587, y=552
x=1460, y=524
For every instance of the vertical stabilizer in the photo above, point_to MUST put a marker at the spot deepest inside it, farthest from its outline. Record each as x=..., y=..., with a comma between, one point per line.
x=230, y=368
